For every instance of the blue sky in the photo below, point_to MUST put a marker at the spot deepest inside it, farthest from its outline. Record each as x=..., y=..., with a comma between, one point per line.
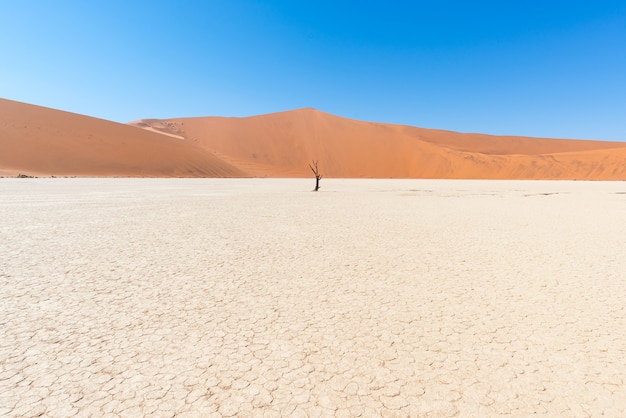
x=538, y=68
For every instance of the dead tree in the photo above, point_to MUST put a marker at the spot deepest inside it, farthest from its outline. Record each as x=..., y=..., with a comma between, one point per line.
x=318, y=176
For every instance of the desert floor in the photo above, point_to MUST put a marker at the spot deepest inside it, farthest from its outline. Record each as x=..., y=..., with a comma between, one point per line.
x=215, y=297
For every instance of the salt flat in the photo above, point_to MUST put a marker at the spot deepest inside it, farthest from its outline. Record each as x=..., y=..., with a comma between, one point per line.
x=213, y=297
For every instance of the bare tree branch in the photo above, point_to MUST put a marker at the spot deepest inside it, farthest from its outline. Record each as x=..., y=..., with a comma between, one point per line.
x=318, y=176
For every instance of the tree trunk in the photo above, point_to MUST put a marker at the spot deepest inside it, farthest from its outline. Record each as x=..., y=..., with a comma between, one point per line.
x=318, y=176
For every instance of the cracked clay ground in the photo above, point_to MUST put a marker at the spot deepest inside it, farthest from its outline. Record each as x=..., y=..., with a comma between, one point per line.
x=219, y=298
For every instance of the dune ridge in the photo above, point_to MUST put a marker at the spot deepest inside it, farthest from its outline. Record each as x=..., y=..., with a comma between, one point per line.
x=282, y=144
x=40, y=141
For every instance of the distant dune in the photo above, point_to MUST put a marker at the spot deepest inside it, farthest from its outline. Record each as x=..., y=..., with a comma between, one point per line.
x=41, y=141
x=45, y=142
x=282, y=144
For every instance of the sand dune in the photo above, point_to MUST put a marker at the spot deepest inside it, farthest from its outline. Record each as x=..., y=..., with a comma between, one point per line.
x=40, y=141
x=282, y=144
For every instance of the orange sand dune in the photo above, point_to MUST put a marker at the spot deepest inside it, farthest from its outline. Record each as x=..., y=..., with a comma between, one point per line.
x=282, y=144
x=40, y=141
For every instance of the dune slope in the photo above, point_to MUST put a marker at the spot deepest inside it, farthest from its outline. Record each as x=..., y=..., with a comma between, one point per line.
x=282, y=144
x=41, y=141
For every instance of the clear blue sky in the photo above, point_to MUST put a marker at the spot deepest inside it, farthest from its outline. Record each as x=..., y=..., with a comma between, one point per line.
x=539, y=68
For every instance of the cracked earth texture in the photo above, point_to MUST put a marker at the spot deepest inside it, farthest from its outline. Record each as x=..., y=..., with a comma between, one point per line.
x=219, y=298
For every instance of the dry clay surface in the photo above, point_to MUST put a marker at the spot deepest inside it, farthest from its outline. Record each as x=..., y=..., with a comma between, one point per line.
x=223, y=298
